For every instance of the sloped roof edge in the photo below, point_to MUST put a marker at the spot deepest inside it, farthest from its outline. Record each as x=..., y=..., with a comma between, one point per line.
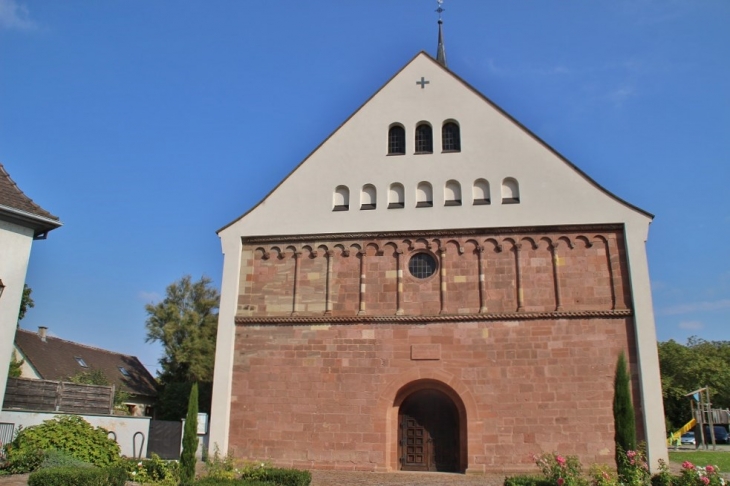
x=18, y=208
x=482, y=96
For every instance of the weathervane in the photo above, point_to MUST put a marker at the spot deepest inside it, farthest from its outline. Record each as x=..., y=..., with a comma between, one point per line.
x=440, y=7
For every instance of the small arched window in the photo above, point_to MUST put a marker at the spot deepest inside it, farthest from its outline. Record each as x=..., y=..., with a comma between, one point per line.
x=510, y=191
x=341, y=199
x=424, y=195
x=480, y=192
x=396, y=140
x=424, y=139
x=450, y=137
x=396, y=196
x=368, y=197
x=452, y=194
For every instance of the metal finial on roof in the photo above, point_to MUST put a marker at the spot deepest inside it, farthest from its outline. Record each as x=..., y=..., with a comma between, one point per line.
x=441, y=50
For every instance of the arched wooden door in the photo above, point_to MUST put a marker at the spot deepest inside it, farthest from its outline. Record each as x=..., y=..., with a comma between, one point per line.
x=428, y=429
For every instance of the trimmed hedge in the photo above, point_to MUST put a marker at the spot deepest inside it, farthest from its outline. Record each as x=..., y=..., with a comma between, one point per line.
x=73, y=476
x=230, y=482
x=264, y=477
x=524, y=480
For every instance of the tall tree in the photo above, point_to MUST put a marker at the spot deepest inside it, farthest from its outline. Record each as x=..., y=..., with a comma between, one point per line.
x=26, y=302
x=190, y=439
x=685, y=368
x=624, y=420
x=185, y=323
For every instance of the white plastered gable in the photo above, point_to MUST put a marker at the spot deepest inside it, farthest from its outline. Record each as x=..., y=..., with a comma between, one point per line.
x=494, y=147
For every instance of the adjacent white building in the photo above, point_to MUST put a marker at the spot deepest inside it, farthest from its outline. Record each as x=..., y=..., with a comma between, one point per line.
x=21, y=222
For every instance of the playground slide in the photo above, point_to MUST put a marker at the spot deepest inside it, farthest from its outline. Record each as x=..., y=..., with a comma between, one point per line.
x=674, y=438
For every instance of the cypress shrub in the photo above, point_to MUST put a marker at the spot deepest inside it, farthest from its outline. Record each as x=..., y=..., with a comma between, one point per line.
x=623, y=413
x=190, y=439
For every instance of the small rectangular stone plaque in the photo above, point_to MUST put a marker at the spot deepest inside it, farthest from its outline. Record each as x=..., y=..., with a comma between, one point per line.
x=425, y=351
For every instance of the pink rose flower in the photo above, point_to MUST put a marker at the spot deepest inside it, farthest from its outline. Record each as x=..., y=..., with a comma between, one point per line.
x=560, y=460
x=561, y=481
x=705, y=480
x=710, y=469
x=687, y=465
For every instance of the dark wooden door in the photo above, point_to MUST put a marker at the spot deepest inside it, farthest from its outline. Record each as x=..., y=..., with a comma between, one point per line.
x=417, y=453
x=429, y=433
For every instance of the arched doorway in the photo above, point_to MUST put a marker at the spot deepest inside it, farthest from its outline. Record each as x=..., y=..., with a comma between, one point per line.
x=428, y=430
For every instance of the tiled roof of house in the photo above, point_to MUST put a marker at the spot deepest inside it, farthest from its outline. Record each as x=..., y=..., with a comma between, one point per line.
x=57, y=359
x=11, y=197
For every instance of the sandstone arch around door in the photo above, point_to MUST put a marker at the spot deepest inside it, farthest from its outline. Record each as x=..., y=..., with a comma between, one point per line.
x=405, y=385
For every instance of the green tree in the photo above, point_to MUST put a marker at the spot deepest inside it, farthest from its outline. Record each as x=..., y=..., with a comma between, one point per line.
x=190, y=439
x=185, y=323
x=685, y=368
x=16, y=365
x=624, y=419
x=26, y=302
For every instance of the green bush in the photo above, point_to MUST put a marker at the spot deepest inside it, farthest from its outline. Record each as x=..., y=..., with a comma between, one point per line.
x=69, y=434
x=524, y=480
x=23, y=461
x=152, y=471
x=230, y=482
x=54, y=458
x=283, y=477
x=73, y=476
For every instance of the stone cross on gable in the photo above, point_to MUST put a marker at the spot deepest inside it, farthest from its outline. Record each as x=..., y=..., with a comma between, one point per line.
x=423, y=82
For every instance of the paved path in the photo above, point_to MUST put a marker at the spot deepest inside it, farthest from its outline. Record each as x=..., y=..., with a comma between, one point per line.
x=341, y=478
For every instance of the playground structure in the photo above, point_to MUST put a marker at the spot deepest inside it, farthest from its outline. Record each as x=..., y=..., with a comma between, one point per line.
x=704, y=417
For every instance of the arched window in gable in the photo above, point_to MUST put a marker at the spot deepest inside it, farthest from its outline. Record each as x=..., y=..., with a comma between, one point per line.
x=396, y=196
x=480, y=192
x=424, y=139
x=452, y=194
x=510, y=191
x=450, y=137
x=341, y=199
x=368, y=197
x=424, y=195
x=396, y=140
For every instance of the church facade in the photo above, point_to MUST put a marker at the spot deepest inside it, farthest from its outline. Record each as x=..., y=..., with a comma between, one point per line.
x=434, y=288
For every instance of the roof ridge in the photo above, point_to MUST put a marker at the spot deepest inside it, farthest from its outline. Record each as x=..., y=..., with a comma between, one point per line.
x=81, y=344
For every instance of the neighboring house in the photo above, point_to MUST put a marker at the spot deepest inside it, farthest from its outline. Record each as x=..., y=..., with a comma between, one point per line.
x=21, y=222
x=433, y=288
x=50, y=358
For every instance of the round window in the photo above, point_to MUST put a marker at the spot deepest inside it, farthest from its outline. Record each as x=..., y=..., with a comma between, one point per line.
x=422, y=265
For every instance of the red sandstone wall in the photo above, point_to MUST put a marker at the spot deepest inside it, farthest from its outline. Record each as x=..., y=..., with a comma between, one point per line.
x=326, y=396
x=320, y=396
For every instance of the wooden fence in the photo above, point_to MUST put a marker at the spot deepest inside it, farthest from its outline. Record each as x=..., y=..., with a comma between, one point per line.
x=58, y=396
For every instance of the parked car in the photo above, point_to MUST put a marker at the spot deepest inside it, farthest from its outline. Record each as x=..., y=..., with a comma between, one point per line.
x=721, y=435
x=688, y=438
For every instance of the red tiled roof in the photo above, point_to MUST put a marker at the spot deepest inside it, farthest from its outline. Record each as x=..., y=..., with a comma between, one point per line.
x=13, y=198
x=55, y=359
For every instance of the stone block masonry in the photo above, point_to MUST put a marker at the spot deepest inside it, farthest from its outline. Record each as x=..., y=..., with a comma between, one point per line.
x=516, y=331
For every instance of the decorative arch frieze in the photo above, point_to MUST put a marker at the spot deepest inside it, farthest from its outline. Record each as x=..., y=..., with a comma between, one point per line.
x=477, y=273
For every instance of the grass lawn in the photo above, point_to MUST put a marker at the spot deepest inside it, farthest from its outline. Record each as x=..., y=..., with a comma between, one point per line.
x=720, y=459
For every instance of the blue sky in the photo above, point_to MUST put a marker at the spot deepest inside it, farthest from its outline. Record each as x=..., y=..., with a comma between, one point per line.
x=147, y=126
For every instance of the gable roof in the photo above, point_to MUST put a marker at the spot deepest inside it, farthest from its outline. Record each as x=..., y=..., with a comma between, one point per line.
x=488, y=101
x=55, y=359
x=18, y=208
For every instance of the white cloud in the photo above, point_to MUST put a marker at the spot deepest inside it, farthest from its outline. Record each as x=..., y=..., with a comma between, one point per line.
x=695, y=307
x=15, y=16
x=149, y=296
x=691, y=325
